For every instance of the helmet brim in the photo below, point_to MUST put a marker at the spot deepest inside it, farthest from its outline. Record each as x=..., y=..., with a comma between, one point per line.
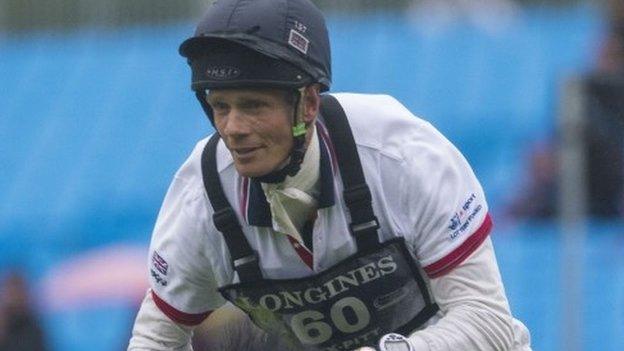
x=218, y=63
x=196, y=46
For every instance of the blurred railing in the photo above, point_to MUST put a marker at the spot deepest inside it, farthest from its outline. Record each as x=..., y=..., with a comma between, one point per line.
x=33, y=15
x=28, y=15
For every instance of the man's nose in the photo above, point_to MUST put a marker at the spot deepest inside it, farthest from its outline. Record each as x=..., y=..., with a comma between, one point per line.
x=236, y=124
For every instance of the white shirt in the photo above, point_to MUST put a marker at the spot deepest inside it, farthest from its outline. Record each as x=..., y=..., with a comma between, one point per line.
x=422, y=189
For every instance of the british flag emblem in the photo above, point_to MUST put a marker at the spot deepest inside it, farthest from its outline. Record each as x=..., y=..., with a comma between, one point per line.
x=159, y=263
x=298, y=41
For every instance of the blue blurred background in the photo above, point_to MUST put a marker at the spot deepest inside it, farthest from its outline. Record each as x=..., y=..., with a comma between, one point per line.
x=95, y=120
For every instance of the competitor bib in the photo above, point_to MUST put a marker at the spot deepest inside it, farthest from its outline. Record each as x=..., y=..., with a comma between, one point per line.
x=349, y=305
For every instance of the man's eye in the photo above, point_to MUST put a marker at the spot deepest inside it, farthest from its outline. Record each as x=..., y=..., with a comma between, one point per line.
x=252, y=105
x=217, y=106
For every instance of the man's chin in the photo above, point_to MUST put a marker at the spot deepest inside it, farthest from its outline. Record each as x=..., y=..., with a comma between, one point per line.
x=250, y=172
x=256, y=169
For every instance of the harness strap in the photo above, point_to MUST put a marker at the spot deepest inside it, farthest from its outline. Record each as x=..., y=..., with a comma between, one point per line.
x=356, y=193
x=244, y=259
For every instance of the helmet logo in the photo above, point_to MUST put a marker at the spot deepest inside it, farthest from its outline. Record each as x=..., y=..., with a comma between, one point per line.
x=298, y=41
x=222, y=72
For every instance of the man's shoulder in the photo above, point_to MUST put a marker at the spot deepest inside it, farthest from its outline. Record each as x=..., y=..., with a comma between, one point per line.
x=380, y=114
x=364, y=105
x=381, y=124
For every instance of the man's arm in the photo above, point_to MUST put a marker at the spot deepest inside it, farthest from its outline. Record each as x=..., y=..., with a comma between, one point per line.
x=475, y=311
x=182, y=265
x=154, y=331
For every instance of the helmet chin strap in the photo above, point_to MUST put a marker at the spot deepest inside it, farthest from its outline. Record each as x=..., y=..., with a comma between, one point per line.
x=298, y=151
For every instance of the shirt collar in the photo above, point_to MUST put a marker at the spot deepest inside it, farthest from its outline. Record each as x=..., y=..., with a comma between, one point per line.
x=254, y=205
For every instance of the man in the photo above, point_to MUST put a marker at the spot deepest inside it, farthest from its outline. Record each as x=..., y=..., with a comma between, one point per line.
x=333, y=223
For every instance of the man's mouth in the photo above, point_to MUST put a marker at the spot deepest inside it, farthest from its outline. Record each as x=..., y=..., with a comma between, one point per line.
x=244, y=151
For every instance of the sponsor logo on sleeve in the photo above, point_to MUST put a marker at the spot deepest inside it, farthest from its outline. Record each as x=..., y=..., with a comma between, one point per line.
x=461, y=219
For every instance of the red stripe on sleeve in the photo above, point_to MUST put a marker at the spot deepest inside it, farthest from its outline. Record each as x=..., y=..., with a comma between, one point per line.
x=179, y=316
x=457, y=256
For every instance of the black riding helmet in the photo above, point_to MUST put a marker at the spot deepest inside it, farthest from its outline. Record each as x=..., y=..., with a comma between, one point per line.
x=261, y=43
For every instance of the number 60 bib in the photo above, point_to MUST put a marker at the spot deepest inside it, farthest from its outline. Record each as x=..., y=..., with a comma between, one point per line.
x=349, y=305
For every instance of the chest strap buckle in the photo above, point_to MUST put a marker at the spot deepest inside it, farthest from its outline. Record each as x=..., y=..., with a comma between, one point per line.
x=360, y=227
x=241, y=262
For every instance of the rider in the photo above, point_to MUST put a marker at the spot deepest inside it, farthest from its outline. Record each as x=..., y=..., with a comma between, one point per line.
x=335, y=222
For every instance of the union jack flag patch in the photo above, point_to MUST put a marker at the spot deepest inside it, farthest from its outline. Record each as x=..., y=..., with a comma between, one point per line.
x=298, y=41
x=159, y=263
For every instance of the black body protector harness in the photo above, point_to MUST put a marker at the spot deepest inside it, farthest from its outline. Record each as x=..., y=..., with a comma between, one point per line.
x=376, y=291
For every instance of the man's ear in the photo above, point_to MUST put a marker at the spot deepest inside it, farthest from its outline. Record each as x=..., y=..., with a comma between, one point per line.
x=311, y=103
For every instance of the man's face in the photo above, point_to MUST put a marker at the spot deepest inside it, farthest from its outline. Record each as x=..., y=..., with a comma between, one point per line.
x=256, y=125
